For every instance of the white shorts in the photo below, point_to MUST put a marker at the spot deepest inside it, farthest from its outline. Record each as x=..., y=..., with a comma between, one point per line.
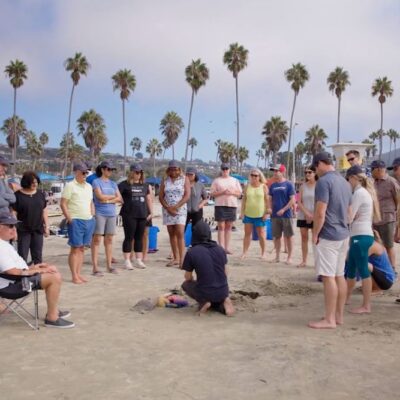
x=330, y=257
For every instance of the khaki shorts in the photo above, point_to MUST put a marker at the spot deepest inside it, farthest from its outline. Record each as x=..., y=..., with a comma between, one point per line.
x=282, y=225
x=386, y=232
x=330, y=257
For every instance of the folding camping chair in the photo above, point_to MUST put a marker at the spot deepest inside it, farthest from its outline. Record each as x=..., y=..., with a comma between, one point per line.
x=16, y=303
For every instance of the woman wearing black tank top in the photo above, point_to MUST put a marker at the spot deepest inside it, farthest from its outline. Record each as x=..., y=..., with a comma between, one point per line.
x=135, y=212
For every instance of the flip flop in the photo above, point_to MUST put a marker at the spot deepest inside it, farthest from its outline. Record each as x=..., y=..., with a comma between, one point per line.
x=97, y=273
x=172, y=263
x=113, y=271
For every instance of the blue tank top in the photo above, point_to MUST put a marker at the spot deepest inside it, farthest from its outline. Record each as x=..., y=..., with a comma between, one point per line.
x=382, y=263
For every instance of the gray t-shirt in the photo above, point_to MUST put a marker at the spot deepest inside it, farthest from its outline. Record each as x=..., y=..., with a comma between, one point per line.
x=333, y=190
x=197, y=193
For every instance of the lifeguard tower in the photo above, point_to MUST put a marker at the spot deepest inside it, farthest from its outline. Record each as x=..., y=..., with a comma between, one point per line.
x=340, y=149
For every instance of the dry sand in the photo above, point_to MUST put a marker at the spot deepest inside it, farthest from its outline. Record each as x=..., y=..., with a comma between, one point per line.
x=265, y=352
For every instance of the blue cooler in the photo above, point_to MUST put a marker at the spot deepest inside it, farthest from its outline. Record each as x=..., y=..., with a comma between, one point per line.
x=188, y=235
x=268, y=228
x=153, y=232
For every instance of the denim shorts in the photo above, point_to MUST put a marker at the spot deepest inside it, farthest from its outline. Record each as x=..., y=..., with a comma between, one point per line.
x=259, y=222
x=80, y=232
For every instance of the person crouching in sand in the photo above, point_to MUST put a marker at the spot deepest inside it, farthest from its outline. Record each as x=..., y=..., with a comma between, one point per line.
x=208, y=260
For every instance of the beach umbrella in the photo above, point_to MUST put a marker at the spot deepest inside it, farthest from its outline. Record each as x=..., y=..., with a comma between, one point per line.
x=153, y=180
x=44, y=177
x=204, y=179
x=69, y=178
x=240, y=178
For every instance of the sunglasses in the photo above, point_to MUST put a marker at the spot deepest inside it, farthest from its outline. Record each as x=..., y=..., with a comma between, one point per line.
x=224, y=169
x=138, y=172
x=254, y=175
x=309, y=172
x=4, y=165
x=84, y=172
x=351, y=159
x=110, y=169
x=189, y=173
x=10, y=226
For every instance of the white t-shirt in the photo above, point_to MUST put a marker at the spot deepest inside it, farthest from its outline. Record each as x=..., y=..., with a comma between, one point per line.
x=362, y=209
x=9, y=259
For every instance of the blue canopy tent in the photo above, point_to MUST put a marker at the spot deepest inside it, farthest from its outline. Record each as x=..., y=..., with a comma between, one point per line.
x=69, y=178
x=44, y=177
x=153, y=180
x=240, y=178
x=204, y=179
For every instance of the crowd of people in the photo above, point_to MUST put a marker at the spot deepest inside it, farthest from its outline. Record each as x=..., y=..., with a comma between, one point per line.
x=353, y=221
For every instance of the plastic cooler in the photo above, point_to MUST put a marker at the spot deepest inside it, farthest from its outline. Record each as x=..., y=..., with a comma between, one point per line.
x=268, y=228
x=153, y=232
x=188, y=235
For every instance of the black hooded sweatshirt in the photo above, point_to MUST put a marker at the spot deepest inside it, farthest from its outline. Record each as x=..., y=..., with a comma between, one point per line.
x=208, y=260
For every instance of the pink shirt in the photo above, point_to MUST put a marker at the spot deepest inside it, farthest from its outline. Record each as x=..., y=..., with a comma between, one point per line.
x=220, y=184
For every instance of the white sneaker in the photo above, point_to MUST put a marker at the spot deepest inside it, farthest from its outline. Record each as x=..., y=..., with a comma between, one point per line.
x=140, y=264
x=128, y=265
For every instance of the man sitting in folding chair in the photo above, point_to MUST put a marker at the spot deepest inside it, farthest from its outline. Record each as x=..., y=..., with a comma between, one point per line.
x=40, y=276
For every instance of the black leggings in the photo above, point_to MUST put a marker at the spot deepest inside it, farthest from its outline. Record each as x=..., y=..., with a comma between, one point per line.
x=32, y=241
x=134, y=230
x=194, y=217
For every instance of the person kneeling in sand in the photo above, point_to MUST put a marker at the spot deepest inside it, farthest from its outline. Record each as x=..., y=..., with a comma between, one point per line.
x=208, y=260
x=382, y=276
x=41, y=276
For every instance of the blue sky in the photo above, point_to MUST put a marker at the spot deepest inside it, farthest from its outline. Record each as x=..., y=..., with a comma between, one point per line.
x=157, y=39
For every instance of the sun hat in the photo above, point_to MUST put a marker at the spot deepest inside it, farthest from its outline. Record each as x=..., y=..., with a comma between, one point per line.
x=6, y=218
x=173, y=164
x=80, y=166
x=136, y=168
x=354, y=170
x=225, y=166
x=107, y=164
x=378, y=164
x=322, y=156
x=395, y=163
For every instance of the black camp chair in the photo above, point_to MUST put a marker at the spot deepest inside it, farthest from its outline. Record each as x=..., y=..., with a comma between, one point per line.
x=15, y=303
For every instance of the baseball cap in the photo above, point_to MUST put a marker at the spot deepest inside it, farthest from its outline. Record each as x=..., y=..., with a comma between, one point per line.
x=225, y=166
x=173, y=164
x=107, y=164
x=80, y=166
x=378, y=164
x=322, y=156
x=395, y=163
x=136, y=168
x=278, y=167
x=6, y=218
x=191, y=170
x=354, y=170
x=4, y=161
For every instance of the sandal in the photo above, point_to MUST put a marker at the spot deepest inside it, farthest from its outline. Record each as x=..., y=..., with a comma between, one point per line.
x=172, y=263
x=97, y=273
x=113, y=271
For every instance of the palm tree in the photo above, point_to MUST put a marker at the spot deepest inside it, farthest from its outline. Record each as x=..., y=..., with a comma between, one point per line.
x=197, y=75
x=315, y=139
x=192, y=144
x=171, y=126
x=297, y=76
x=33, y=147
x=78, y=65
x=337, y=82
x=383, y=87
x=393, y=136
x=243, y=156
x=227, y=152
x=165, y=144
x=300, y=151
x=74, y=151
x=276, y=132
x=136, y=145
x=154, y=148
x=267, y=153
x=259, y=155
x=235, y=58
x=368, y=149
x=218, y=144
x=92, y=128
x=124, y=81
x=17, y=72
x=14, y=128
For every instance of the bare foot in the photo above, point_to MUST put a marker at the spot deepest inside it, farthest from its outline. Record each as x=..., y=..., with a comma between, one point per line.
x=228, y=306
x=204, y=308
x=339, y=319
x=83, y=279
x=263, y=257
x=243, y=256
x=172, y=263
x=275, y=260
x=376, y=292
x=228, y=252
x=301, y=265
x=361, y=310
x=322, y=324
x=289, y=261
x=77, y=281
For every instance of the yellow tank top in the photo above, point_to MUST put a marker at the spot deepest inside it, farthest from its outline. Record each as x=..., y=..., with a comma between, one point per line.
x=255, y=204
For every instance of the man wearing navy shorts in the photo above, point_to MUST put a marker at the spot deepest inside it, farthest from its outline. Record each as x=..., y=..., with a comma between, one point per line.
x=78, y=209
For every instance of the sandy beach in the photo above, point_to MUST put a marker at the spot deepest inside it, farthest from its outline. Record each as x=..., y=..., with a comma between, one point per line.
x=266, y=351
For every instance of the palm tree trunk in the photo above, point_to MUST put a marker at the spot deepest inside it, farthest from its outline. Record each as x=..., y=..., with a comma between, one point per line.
x=68, y=144
x=163, y=154
x=124, y=127
x=191, y=154
x=381, y=133
x=258, y=160
x=173, y=152
x=154, y=165
x=390, y=149
x=290, y=133
x=14, y=149
x=188, y=131
x=338, y=120
x=237, y=122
